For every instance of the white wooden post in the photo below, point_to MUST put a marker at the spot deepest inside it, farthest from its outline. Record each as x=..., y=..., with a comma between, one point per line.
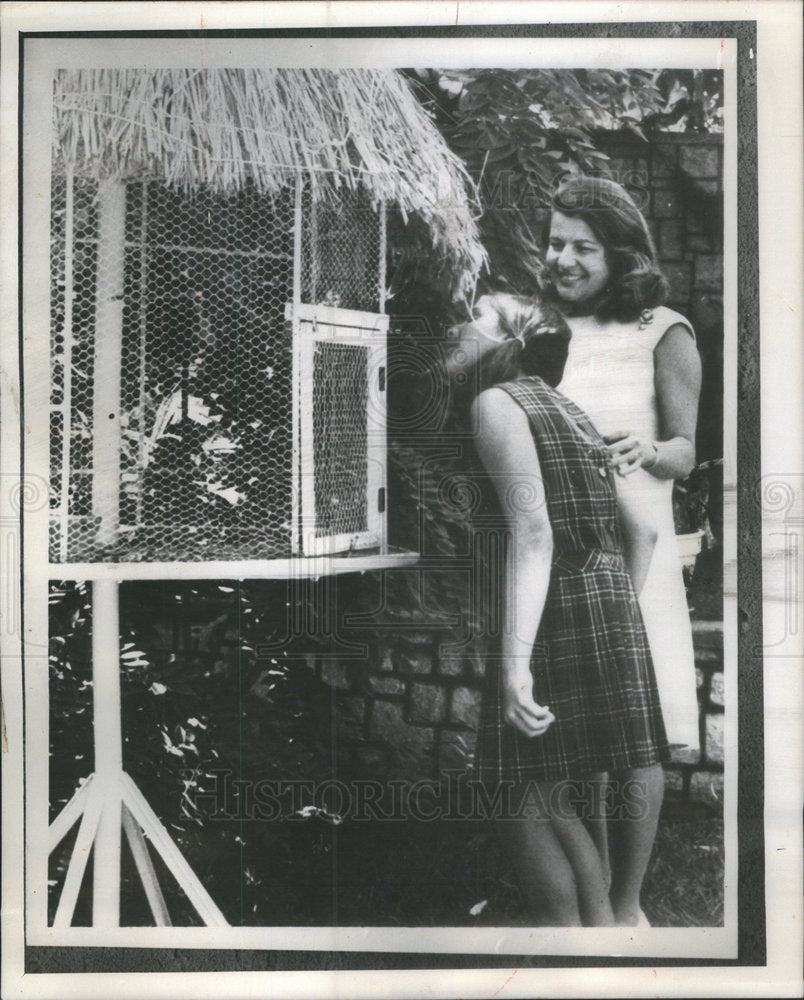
x=296, y=397
x=108, y=750
x=106, y=509
x=108, y=352
x=383, y=277
x=67, y=366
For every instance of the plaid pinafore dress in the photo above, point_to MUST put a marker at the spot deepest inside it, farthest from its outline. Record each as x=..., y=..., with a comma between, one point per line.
x=591, y=661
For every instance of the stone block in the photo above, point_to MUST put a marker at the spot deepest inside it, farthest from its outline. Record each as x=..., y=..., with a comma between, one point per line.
x=418, y=637
x=699, y=161
x=477, y=664
x=428, y=703
x=699, y=243
x=455, y=750
x=414, y=661
x=671, y=239
x=708, y=635
x=388, y=724
x=685, y=755
x=337, y=673
x=696, y=224
x=369, y=757
x=618, y=167
x=706, y=787
x=678, y=274
x=386, y=659
x=387, y=720
x=667, y=205
x=709, y=271
x=707, y=315
x=352, y=708
x=664, y=161
x=718, y=689
x=465, y=708
x=451, y=661
x=386, y=685
x=714, y=737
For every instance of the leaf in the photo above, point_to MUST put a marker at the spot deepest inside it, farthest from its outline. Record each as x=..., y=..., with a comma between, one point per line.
x=478, y=908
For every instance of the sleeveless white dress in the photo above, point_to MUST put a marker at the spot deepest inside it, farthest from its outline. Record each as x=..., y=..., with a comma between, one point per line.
x=610, y=375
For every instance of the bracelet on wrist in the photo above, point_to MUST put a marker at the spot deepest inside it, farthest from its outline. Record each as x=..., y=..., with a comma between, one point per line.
x=647, y=466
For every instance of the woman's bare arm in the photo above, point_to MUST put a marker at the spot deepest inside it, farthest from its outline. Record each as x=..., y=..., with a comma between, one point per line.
x=508, y=454
x=677, y=380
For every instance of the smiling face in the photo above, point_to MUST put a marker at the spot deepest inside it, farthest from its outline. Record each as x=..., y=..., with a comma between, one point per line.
x=576, y=260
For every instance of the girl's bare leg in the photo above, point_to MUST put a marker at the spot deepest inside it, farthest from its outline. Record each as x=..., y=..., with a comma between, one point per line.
x=595, y=818
x=545, y=876
x=590, y=874
x=637, y=801
x=558, y=865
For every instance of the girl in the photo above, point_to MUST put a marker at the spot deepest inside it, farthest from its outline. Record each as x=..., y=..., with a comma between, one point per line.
x=573, y=693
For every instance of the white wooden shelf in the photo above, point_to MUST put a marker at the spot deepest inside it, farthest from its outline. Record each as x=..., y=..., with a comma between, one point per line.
x=309, y=567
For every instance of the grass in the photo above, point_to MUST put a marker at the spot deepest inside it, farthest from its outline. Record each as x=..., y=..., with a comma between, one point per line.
x=413, y=873
x=684, y=886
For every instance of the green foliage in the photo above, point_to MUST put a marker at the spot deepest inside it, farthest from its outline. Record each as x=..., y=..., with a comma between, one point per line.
x=216, y=690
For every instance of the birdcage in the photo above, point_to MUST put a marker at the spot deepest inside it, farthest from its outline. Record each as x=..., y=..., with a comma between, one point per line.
x=218, y=360
x=218, y=372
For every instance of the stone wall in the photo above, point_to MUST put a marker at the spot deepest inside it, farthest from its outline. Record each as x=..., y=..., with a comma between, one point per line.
x=412, y=709
x=677, y=182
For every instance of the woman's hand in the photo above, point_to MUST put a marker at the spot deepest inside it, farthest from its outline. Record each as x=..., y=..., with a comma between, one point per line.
x=627, y=452
x=519, y=708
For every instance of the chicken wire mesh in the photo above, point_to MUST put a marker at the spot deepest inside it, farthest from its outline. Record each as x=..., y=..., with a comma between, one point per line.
x=340, y=396
x=339, y=258
x=209, y=378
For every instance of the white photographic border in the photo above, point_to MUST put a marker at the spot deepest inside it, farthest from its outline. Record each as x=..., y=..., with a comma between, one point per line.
x=779, y=48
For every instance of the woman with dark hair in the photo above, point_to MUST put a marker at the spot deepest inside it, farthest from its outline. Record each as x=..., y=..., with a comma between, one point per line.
x=633, y=367
x=572, y=691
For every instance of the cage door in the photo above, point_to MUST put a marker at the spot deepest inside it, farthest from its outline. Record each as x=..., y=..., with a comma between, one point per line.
x=342, y=422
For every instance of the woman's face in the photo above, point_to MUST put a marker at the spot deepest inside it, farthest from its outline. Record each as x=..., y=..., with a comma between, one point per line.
x=576, y=259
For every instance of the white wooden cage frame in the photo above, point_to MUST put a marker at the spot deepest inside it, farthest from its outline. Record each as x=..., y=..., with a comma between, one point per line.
x=312, y=325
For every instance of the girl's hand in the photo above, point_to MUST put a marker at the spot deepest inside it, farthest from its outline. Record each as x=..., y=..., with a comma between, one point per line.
x=521, y=711
x=627, y=452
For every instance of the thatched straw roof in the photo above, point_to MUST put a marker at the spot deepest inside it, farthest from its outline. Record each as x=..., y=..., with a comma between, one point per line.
x=224, y=127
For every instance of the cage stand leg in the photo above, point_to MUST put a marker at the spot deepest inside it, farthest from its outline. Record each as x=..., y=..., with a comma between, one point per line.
x=145, y=869
x=110, y=802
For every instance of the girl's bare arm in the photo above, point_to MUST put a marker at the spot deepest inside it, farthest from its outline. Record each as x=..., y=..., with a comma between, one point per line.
x=508, y=454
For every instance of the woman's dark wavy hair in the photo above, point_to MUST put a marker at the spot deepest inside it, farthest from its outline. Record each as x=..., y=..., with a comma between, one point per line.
x=636, y=282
